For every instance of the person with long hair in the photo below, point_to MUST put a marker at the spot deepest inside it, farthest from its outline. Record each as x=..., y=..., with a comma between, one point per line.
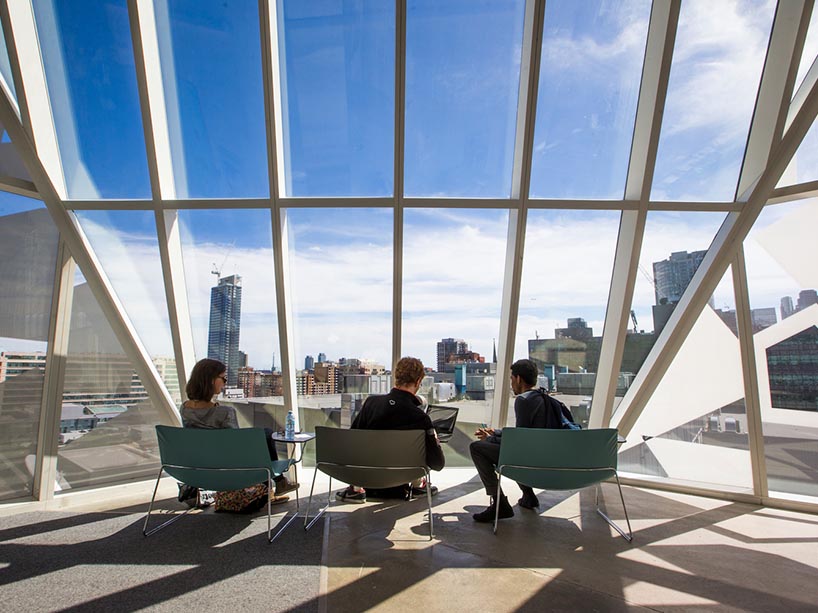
x=207, y=380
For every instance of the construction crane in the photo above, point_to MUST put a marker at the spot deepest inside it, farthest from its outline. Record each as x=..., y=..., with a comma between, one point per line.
x=217, y=270
x=633, y=319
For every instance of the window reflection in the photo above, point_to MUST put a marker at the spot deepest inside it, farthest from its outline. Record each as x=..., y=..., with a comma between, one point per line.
x=711, y=95
x=341, y=276
x=564, y=290
x=462, y=81
x=782, y=281
x=452, y=289
x=28, y=257
x=589, y=83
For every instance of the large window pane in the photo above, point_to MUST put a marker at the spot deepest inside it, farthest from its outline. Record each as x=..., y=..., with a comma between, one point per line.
x=462, y=80
x=341, y=275
x=211, y=69
x=782, y=278
x=564, y=291
x=694, y=427
x=338, y=84
x=672, y=249
x=589, y=83
x=452, y=288
x=107, y=422
x=711, y=95
x=127, y=247
x=89, y=66
x=28, y=257
x=228, y=260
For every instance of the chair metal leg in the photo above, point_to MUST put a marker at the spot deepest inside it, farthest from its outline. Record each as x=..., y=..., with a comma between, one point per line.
x=309, y=503
x=497, y=501
x=270, y=537
x=175, y=517
x=429, y=500
x=629, y=536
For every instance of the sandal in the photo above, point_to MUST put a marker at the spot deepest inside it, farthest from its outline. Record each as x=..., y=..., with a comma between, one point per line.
x=278, y=499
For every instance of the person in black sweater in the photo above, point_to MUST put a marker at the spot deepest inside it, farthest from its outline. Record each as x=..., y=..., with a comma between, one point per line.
x=531, y=412
x=400, y=409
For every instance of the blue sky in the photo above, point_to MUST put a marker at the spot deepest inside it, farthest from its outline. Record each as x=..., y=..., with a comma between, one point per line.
x=462, y=80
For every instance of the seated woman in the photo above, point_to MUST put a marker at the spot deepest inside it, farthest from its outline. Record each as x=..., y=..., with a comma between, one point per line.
x=207, y=380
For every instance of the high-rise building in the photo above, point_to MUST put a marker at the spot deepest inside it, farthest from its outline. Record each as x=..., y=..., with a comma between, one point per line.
x=225, y=325
x=447, y=347
x=807, y=297
x=577, y=329
x=309, y=363
x=672, y=276
x=763, y=318
x=787, y=307
x=243, y=360
x=322, y=357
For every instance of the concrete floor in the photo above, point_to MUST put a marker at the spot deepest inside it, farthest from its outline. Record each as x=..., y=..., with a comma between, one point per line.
x=688, y=553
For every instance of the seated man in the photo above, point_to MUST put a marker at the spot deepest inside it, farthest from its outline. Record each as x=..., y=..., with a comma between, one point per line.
x=530, y=411
x=400, y=409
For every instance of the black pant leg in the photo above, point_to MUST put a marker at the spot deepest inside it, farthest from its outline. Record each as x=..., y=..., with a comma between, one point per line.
x=271, y=448
x=485, y=456
x=527, y=491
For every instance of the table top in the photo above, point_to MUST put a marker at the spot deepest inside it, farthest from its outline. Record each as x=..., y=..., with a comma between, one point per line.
x=299, y=437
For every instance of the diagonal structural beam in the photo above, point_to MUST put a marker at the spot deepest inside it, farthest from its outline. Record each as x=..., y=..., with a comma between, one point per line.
x=664, y=19
x=737, y=224
x=83, y=254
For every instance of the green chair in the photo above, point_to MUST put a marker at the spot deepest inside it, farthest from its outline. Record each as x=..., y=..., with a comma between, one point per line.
x=221, y=460
x=370, y=459
x=561, y=460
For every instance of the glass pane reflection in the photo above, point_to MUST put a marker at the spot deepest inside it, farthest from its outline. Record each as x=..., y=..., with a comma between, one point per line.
x=107, y=423
x=341, y=275
x=564, y=291
x=462, y=80
x=453, y=265
x=672, y=249
x=228, y=259
x=710, y=100
x=28, y=257
x=783, y=279
x=211, y=67
x=589, y=83
x=91, y=76
x=337, y=72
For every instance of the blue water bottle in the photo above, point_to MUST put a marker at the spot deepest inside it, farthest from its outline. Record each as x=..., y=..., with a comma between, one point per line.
x=289, y=425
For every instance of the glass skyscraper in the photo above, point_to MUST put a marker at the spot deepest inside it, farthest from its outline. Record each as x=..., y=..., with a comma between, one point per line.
x=225, y=325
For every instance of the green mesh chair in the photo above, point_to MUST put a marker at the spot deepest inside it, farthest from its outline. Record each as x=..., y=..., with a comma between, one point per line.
x=221, y=460
x=370, y=458
x=561, y=460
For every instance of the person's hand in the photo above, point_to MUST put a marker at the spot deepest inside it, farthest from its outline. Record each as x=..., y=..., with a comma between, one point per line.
x=484, y=433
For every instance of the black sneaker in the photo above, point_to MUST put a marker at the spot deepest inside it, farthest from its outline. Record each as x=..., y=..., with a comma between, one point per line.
x=487, y=516
x=421, y=491
x=186, y=492
x=350, y=495
x=529, y=501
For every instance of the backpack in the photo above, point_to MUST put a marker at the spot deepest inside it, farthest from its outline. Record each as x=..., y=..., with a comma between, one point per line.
x=565, y=416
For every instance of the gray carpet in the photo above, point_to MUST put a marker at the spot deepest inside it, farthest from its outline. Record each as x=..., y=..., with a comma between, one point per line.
x=57, y=561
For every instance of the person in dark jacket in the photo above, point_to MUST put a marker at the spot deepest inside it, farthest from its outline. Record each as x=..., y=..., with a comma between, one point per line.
x=400, y=409
x=530, y=411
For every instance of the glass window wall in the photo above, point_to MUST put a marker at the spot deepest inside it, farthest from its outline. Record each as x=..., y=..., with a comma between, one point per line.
x=89, y=67
x=589, y=83
x=462, y=81
x=28, y=258
x=782, y=280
